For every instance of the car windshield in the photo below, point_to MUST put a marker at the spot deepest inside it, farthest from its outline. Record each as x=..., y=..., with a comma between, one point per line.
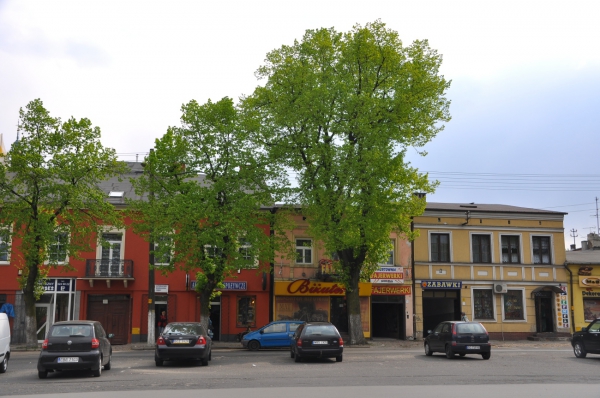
x=469, y=328
x=320, y=330
x=71, y=330
x=183, y=328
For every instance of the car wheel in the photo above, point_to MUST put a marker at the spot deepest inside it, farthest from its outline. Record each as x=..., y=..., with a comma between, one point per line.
x=204, y=362
x=108, y=364
x=297, y=358
x=4, y=364
x=159, y=362
x=253, y=345
x=449, y=353
x=42, y=374
x=486, y=355
x=579, y=350
x=98, y=372
x=428, y=351
x=292, y=355
x=339, y=358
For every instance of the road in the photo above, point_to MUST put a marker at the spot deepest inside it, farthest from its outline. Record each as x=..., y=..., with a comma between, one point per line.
x=376, y=367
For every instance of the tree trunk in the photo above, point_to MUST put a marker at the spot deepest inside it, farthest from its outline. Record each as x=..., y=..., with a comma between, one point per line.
x=205, y=308
x=353, y=301
x=31, y=340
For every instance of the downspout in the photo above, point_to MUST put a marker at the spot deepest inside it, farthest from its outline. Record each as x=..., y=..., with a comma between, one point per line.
x=571, y=295
x=412, y=265
x=272, y=266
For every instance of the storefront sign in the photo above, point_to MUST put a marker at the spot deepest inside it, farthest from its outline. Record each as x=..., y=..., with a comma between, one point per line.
x=304, y=287
x=235, y=286
x=453, y=285
x=589, y=281
x=590, y=294
x=388, y=275
x=378, y=290
x=562, y=305
x=161, y=288
x=59, y=285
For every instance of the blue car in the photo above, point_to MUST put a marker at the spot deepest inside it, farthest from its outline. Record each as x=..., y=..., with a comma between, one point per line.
x=275, y=334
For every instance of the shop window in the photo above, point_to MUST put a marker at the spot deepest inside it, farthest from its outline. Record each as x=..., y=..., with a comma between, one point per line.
x=246, y=311
x=483, y=304
x=303, y=251
x=591, y=309
x=482, y=252
x=541, y=249
x=513, y=305
x=440, y=247
x=510, y=249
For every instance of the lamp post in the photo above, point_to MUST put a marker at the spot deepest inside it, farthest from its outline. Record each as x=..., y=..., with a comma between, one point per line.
x=151, y=284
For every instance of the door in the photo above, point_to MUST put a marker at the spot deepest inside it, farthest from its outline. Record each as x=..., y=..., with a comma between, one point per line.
x=440, y=306
x=339, y=313
x=543, y=312
x=275, y=335
x=43, y=315
x=111, y=264
x=591, y=339
x=215, y=320
x=114, y=313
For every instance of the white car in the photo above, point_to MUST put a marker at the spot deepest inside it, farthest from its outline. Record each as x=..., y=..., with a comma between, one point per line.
x=4, y=342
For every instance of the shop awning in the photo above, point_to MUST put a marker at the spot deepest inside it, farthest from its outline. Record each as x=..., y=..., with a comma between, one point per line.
x=554, y=289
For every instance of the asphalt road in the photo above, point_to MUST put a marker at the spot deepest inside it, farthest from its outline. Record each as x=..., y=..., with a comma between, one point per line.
x=263, y=373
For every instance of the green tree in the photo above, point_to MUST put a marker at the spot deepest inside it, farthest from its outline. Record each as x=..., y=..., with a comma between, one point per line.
x=207, y=187
x=49, y=198
x=341, y=110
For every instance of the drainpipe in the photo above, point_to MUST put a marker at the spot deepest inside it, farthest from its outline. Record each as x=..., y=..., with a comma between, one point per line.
x=571, y=294
x=412, y=264
x=272, y=268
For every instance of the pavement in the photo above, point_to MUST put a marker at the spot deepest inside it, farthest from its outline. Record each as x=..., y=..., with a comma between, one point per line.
x=387, y=343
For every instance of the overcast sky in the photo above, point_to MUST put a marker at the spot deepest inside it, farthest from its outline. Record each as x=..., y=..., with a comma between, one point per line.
x=525, y=80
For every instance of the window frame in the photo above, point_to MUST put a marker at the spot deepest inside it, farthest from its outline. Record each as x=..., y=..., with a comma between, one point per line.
x=439, y=233
x=304, y=248
x=156, y=244
x=523, y=305
x=391, y=254
x=50, y=246
x=251, y=308
x=109, y=230
x=550, y=247
x=8, y=244
x=244, y=245
x=519, y=247
x=493, y=305
x=491, y=247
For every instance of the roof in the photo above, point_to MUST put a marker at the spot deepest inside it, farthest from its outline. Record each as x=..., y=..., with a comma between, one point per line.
x=487, y=208
x=583, y=257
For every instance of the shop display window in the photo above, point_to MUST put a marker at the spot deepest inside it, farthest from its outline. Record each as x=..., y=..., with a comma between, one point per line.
x=513, y=305
x=246, y=311
x=483, y=304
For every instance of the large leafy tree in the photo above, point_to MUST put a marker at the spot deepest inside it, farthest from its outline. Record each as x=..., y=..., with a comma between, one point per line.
x=341, y=110
x=206, y=188
x=49, y=199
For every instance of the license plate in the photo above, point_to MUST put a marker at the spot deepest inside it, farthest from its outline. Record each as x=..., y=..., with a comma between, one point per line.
x=473, y=347
x=181, y=342
x=319, y=342
x=68, y=359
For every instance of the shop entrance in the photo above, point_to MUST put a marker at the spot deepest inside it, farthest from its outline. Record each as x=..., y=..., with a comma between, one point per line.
x=439, y=306
x=543, y=312
x=338, y=313
x=387, y=317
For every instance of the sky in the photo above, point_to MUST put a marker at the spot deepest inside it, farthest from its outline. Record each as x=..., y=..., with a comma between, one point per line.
x=525, y=80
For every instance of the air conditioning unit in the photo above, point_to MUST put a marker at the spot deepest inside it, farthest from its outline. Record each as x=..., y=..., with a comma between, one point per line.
x=500, y=288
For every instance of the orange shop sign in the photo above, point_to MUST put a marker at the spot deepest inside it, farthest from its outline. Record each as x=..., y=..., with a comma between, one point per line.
x=306, y=287
x=378, y=290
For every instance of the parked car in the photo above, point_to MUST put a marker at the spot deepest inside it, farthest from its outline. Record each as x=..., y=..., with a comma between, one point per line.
x=454, y=337
x=317, y=340
x=73, y=345
x=274, y=334
x=587, y=341
x=183, y=341
x=4, y=342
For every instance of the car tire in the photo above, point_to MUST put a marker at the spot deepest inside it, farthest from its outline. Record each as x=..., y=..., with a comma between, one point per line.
x=449, y=352
x=486, y=355
x=292, y=355
x=158, y=362
x=339, y=358
x=253, y=345
x=98, y=372
x=4, y=364
x=297, y=358
x=42, y=374
x=428, y=351
x=579, y=350
x=108, y=364
x=204, y=362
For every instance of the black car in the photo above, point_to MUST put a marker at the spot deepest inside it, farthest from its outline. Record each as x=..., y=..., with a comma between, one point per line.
x=587, y=341
x=317, y=340
x=454, y=337
x=183, y=341
x=74, y=345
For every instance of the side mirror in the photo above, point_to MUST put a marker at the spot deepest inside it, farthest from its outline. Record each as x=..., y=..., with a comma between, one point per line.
x=584, y=329
x=429, y=332
x=111, y=335
x=262, y=331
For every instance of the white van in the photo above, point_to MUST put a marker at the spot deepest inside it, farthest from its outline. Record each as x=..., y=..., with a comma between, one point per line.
x=4, y=342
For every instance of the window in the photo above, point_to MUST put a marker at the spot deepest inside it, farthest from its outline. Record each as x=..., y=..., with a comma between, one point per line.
x=275, y=328
x=4, y=245
x=591, y=309
x=57, y=250
x=161, y=250
x=541, y=249
x=513, y=305
x=390, y=260
x=303, y=251
x=440, y=247
x=246, y=315
x=483, y=304
x=245, y=250
x=510, y=249
x=212, y=251
x=482, y=252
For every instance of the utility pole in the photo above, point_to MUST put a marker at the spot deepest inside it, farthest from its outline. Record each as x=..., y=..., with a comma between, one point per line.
x=151, y=305
x=597, y=223
x=574, y=235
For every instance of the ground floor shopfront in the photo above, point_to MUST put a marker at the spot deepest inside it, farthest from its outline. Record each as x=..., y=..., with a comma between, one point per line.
x=586, y=295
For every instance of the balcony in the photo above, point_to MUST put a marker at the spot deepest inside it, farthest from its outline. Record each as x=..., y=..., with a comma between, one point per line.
x=108, y=270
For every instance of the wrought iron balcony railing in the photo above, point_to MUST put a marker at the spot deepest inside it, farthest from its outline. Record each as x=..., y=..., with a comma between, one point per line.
x=105, y=268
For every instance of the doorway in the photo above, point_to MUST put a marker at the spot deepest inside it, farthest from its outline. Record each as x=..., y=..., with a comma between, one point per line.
x=387, y=317
x=338, y=314
x=439, y=306
x=43, y=317
x=111, y=264
x=543, y=312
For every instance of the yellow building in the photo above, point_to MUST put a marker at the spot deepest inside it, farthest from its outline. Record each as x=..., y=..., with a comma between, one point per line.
x=584, y=269
x=500, y=265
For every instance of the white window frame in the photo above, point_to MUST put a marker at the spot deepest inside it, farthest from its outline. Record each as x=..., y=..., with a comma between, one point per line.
x=524, y=320
x=491, y=288
x=471, y=233
x=207, y=248
x=392, y=251
x=520, y=249
x=303, y=248
x=155, y=245
x=246, y=245
x=449, y=233
x=109, y=230
x=551, y=247
x=66, y=259
x=9, y=246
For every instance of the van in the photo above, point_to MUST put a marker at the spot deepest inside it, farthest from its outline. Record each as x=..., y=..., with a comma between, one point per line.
x=4, y=342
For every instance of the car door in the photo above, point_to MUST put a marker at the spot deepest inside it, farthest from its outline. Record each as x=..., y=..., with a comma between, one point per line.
x=292, y=326
x=275, y=335
x=434, y=337
x=591, y=339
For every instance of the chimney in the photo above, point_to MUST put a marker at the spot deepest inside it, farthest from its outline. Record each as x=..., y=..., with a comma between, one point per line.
x=573, y=247
x=420, y=195
x=584, y=245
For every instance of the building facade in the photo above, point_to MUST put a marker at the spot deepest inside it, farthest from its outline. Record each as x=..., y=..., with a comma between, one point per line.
x=500, y=265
